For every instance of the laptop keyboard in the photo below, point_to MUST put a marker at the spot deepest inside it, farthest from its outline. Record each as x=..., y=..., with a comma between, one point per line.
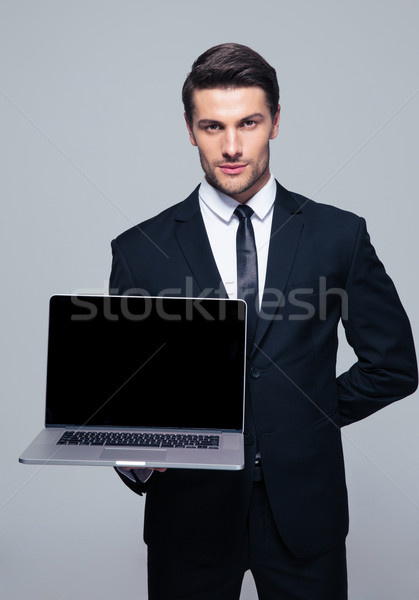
x=143, y=440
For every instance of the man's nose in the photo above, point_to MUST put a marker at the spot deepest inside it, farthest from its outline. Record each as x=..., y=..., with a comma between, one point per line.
x=232, y=145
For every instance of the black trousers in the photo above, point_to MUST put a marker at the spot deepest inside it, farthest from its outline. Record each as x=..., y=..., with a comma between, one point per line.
x=277, y=573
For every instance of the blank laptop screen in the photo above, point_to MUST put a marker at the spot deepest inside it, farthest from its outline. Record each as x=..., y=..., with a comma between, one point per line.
x=145, y=362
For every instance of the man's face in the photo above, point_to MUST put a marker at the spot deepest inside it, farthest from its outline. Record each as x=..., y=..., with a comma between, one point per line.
x=232, y=128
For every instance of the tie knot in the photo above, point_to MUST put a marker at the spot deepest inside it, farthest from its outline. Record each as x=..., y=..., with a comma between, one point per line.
x=243, y=211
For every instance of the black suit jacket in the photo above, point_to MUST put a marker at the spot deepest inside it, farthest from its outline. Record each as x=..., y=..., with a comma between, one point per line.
x=321, y=269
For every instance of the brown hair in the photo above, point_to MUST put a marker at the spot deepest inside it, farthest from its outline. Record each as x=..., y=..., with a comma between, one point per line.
x=230, y=65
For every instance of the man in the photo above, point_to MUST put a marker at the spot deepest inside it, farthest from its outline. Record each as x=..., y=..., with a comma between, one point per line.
x=284, y=516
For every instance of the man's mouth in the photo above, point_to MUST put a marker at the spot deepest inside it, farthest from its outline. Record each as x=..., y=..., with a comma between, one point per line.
x=233, y=168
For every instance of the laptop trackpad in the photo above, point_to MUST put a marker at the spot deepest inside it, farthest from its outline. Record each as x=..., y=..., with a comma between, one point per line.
x=135, y=454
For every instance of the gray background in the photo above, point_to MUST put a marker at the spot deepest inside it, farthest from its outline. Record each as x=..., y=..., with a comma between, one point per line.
x=92, y=141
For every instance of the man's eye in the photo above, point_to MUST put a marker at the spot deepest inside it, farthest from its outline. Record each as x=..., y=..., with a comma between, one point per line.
x=213, y=127
x=249, y=123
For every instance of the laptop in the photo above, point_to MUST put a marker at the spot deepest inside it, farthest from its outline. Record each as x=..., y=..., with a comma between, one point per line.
x=140, y=381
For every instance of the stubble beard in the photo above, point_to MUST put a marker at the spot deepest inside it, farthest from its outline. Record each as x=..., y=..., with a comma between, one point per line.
x=234, y=184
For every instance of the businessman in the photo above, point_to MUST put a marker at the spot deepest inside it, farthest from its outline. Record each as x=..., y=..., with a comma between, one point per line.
x=303, y=268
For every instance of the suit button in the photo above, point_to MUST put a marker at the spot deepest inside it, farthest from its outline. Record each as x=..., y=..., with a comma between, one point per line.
x=255, y=373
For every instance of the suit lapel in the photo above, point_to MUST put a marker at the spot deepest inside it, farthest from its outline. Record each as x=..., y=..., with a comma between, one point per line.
x=193, y=240
x=287, y=225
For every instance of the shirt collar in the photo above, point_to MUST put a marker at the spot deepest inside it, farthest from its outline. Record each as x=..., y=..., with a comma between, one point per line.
x=224, y=206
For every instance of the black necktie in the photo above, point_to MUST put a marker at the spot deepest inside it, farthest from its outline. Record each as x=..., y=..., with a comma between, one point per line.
x=247, y=268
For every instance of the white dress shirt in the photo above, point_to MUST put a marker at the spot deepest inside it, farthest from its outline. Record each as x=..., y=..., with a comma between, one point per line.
x=221, y=224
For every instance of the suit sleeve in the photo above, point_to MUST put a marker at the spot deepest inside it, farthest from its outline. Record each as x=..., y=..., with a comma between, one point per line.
x=120, y=282
x=121, y=279
x=377, y=328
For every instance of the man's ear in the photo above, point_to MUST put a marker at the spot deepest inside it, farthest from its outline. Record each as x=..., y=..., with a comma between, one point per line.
x=191, y=134
x=275, y=124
